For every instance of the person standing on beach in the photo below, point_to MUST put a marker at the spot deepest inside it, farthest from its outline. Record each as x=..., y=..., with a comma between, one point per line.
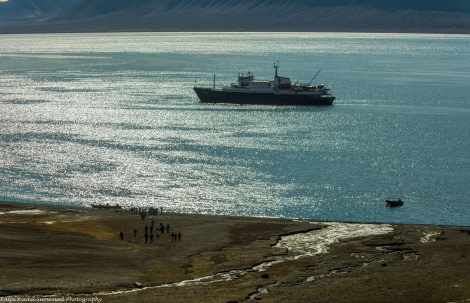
x=121, y=235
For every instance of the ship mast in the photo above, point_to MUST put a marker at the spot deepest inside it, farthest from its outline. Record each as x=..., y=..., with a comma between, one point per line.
x=314, y=77
x=276, y=66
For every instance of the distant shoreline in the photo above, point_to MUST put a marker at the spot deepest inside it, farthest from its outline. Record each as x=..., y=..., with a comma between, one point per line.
x=125, y=210
x=38, y=29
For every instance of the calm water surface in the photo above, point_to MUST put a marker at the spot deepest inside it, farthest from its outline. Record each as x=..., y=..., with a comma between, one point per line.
x=112, y=118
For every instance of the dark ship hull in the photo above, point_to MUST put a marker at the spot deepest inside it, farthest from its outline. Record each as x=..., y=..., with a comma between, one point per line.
x=210, y=95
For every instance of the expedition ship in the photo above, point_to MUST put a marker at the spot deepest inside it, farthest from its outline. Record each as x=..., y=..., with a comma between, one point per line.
x=280, y=91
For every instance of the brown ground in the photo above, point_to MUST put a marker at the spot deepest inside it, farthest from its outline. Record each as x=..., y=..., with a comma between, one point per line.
x=76, y=253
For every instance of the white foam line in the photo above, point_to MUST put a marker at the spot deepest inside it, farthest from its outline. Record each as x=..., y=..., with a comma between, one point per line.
x=317, y=241
x=218, y=277
x=24, y=212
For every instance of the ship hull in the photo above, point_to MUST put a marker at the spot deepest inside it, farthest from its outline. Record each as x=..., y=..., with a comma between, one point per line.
x=209, y=95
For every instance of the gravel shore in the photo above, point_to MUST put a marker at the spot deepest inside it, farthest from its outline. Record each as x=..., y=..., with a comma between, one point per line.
x=64, y=253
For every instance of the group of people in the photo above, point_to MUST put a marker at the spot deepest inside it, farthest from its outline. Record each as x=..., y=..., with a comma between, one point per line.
x=144, y=211
x=175, y=236
x=149, y=232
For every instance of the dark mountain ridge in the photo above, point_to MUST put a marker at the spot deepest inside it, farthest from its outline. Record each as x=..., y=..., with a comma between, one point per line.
x=27, y=11
x=261, y=15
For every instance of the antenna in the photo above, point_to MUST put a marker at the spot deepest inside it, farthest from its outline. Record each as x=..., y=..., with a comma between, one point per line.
x=276, y=66
x=314, y=77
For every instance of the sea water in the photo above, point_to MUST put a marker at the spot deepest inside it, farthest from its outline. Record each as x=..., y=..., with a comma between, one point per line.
x=112, y=118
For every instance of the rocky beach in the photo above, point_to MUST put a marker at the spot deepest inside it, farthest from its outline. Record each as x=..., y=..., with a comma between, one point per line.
x=66, y=253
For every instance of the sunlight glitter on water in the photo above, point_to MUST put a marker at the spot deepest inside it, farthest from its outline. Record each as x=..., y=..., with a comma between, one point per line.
x=113, y=119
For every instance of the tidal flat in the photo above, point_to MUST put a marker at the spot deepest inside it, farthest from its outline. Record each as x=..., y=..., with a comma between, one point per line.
x=53, y=252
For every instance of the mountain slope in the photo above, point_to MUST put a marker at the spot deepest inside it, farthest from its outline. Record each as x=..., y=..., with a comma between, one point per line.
x=263, y=15
x=24, y=11
x=298, y=15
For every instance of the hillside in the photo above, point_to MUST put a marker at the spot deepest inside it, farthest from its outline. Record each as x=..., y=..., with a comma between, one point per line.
x=29, y=11
x=260, y=15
